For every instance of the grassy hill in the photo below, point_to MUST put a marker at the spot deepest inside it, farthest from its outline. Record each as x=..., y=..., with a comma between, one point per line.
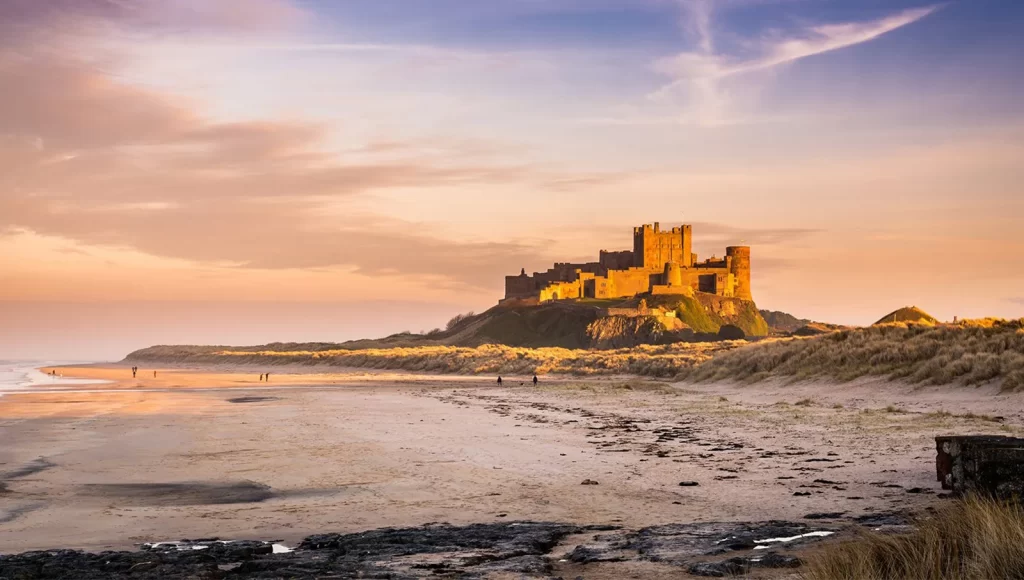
x=560, y=325
x=969, y=353
x=707, y=313
x=908, y=314
x=782, y=322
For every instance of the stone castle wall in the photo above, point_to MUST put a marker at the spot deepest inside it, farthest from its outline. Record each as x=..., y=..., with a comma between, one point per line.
x=661, y=262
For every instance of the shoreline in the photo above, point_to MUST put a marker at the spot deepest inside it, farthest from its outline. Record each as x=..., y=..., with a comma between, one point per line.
x=195, y=454
x=23, y=376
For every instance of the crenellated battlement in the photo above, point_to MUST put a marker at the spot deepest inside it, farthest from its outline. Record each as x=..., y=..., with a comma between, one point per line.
x=661, y=262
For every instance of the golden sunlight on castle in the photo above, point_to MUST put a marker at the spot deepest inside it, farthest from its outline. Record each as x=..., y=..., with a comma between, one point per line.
x=661, y=262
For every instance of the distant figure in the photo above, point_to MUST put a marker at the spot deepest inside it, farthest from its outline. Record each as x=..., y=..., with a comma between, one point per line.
x=154, y=374
x=261, y=377
x=134, y=370
x=267, y=377
x=535, y=380
x=499, y=381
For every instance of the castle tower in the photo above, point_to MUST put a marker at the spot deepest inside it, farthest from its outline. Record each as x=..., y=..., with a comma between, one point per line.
x=653, y=247
x=739, y=267
x=686, y=259
x=673, y=275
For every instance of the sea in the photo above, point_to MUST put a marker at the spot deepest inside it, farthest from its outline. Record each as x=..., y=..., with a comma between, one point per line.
x=20, y=376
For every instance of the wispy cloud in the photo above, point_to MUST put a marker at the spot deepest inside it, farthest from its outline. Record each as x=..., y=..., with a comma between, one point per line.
x=158, y=15
x=700, y=78
x=86, y=158
x=698, y=22
x=829, y=37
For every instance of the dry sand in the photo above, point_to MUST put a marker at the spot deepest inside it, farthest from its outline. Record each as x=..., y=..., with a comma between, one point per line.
x=199, y=454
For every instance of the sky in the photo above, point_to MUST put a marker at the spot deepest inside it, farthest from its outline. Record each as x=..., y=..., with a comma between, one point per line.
x=248, y=171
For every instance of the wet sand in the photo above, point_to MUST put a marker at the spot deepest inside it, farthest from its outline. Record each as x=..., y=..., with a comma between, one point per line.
x=201, y=454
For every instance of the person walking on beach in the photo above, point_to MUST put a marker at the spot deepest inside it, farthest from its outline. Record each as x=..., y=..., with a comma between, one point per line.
x=267, y=375
x=499, y=381
x=535, y=380
x=261, y=377
x=154, y=374
x=134, y=370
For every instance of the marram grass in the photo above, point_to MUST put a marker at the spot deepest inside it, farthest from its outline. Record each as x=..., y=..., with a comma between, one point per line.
x=655, y=361
x=972, y=539
x=970, y=353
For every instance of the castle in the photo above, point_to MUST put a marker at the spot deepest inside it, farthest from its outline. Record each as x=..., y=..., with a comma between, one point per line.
x=661, y=262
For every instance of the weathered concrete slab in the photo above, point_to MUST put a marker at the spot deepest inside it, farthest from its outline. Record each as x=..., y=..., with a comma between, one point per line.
x=985, y=464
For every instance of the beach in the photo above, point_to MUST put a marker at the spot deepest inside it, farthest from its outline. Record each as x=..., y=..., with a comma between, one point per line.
x=220, y=453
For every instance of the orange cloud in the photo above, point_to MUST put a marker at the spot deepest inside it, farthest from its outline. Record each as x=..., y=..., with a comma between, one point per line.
x=32, y=16
x=100, y=162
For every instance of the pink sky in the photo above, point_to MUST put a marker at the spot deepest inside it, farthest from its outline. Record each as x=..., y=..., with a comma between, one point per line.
x=182, y=171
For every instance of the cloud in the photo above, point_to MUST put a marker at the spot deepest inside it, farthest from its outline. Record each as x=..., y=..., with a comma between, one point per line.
x=776, y=51
x=87, y=158
x=37, y=17
x=163, y=180
x=829, y=37
x=699, y=23
x=282, y=235
x=735, y=235
x=711, y=232
x=699, y=77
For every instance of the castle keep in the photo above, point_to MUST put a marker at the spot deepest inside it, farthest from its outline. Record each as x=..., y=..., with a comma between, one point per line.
x=661, y=262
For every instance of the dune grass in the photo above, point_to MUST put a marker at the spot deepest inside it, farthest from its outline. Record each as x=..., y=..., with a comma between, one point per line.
x=645, y=360
x=972, y=539
x=967, y=353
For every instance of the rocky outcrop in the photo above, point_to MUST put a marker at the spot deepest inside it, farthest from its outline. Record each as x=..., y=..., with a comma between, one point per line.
x=782, y=322
x=627, y=331
x=731, y=332
x=507, y=549
x=515, y=548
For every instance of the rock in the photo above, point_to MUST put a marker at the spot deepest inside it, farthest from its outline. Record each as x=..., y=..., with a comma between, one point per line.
x=588, y=482
x=825, y=516
x=742, y=565
x=518, y=567
x=681, y=544
x=776, y=560
x=585, y=555
x=885, y=520
x=688, y=484
x=731, y=332
x=731, y=567
x=512, y=549
x=740, y=543
x=480, y=550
